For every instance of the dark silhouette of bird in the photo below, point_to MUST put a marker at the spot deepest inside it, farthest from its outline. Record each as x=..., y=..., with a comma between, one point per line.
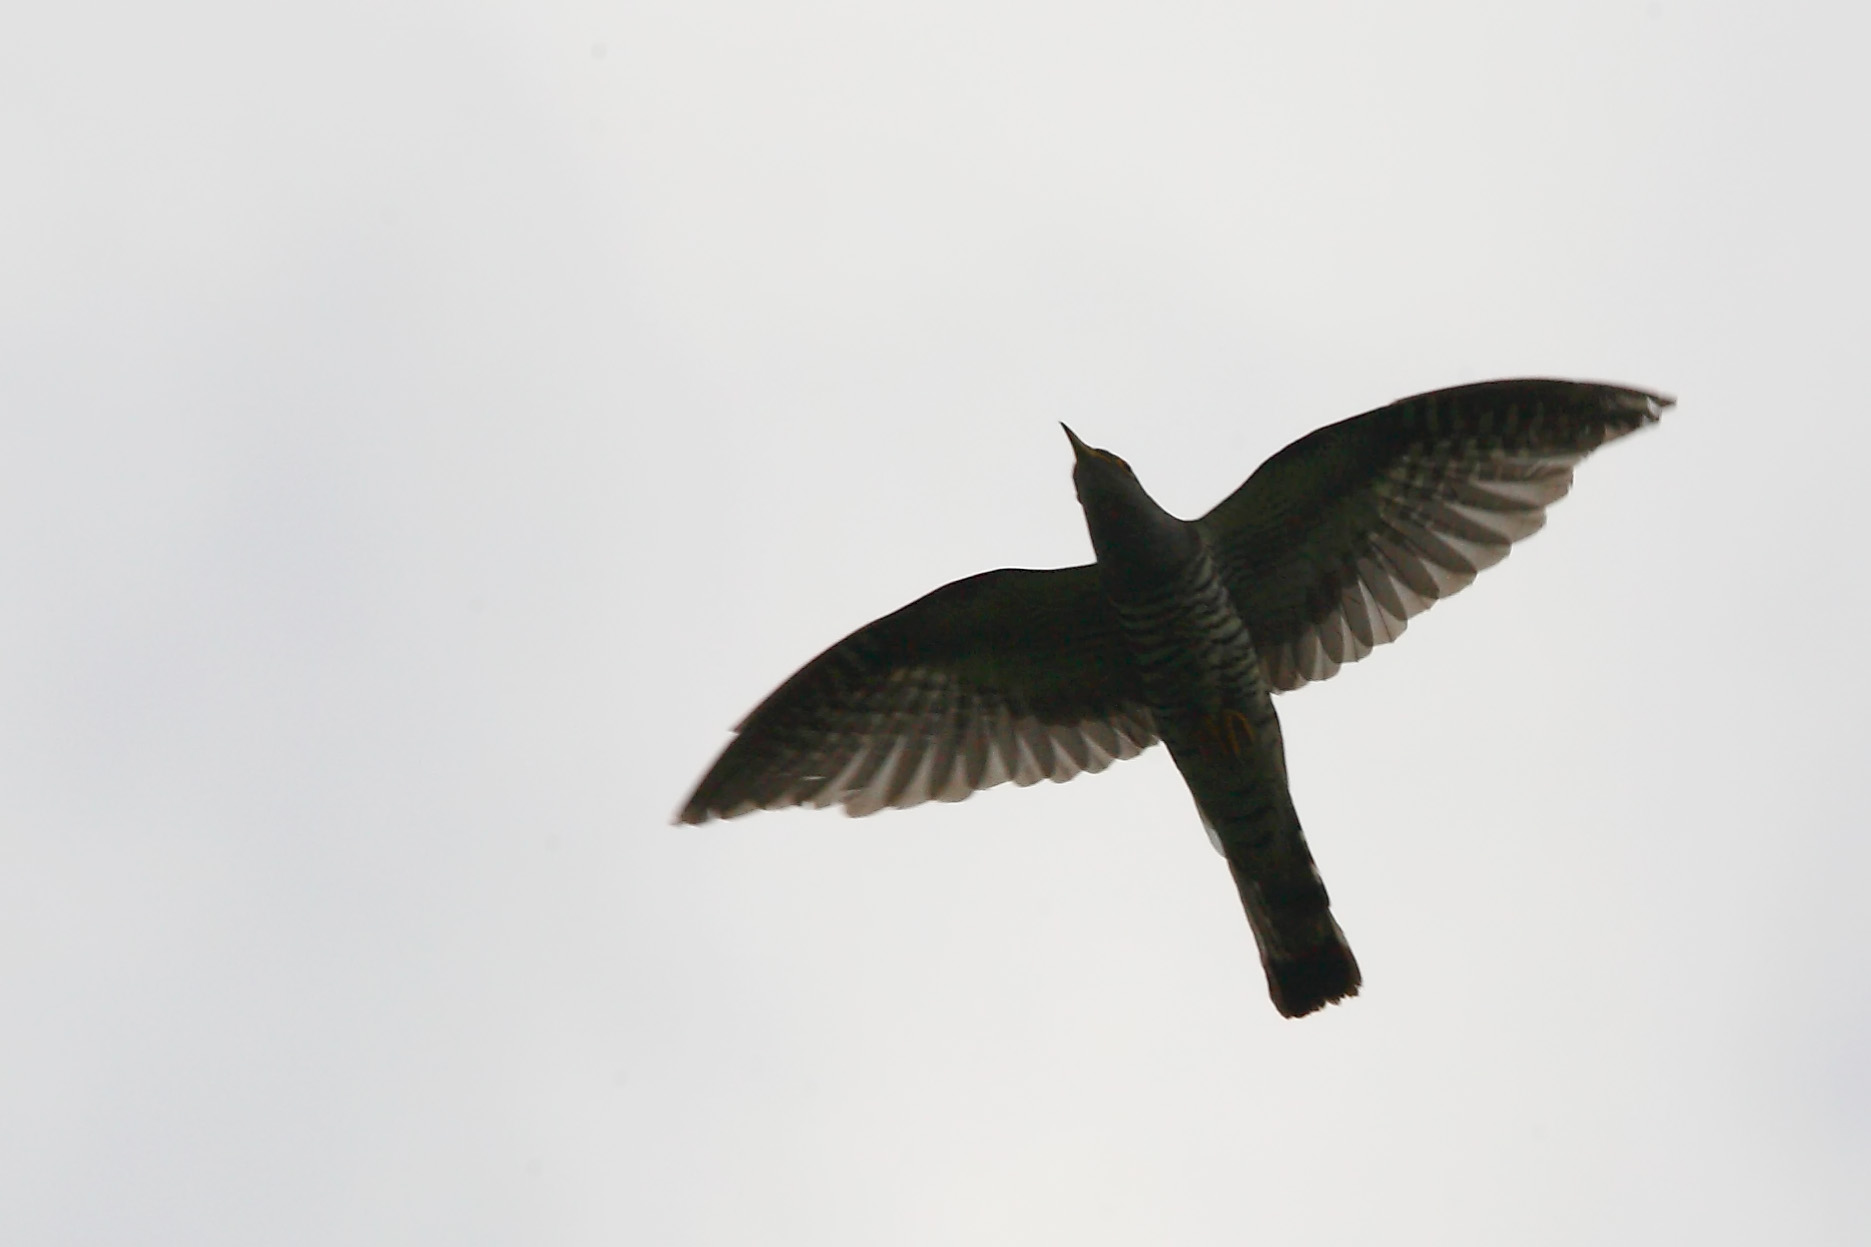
x=1181, y=631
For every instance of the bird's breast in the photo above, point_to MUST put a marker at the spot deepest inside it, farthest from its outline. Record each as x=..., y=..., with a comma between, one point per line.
x=1188, y=641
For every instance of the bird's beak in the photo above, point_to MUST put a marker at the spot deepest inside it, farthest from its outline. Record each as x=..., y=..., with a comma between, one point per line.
x=1079, y=449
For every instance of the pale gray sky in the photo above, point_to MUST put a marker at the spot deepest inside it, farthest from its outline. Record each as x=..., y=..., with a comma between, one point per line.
x=424, y=429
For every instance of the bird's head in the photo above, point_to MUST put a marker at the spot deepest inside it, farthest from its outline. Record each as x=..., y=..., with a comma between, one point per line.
x=1103, y=480
x=1127, y=526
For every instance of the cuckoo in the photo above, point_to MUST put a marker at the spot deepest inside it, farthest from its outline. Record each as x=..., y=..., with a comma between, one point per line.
x=1181, y=631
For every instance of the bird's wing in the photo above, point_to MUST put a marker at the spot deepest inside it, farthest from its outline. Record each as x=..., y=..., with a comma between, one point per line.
x=1010, y=675
x=1333, y=544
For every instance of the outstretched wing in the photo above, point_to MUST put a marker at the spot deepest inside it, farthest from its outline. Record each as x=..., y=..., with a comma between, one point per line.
x=1010, y=675
x=1333, y=544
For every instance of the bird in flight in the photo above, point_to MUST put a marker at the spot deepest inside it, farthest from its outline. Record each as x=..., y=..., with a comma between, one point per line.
x=1181, y=631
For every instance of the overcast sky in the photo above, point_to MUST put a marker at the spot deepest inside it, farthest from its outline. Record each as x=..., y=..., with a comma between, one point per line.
x=426, y=428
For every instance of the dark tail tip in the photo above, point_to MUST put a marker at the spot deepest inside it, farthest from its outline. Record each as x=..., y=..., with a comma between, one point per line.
x=1307, y=982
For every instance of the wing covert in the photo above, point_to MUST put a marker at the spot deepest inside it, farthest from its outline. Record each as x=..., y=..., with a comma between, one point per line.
x=1008, y=676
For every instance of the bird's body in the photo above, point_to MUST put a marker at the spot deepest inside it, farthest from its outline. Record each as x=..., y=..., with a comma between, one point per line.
x=1181, y=631
x=1201, y=679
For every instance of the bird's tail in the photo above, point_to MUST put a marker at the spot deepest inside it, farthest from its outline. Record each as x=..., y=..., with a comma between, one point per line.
x=1308, y=963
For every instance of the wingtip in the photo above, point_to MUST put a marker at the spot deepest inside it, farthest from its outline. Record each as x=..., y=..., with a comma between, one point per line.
x=1636, y=406
x=1655, y=402
x=1618, y=396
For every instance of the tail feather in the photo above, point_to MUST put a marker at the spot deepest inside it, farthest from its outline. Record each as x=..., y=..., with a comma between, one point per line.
x=1308, y=963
